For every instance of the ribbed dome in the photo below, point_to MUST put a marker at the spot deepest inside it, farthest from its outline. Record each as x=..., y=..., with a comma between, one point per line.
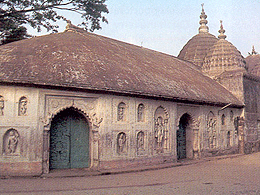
x=223, y=56
x=253, y=64
x=197, y=47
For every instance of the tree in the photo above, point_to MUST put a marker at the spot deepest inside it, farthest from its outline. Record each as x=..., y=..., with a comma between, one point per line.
x=14, y=14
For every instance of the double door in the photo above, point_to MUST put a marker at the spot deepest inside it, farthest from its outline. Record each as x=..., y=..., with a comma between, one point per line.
x=69, y=141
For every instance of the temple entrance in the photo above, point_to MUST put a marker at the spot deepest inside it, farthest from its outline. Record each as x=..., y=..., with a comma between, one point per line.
x=69, y=140
x=183, y=137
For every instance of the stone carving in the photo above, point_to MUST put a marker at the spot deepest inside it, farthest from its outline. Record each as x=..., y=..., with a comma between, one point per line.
x=140, y=141
x=196, y=122
x=161, y=133
x=211, y=130
x=2, y=105
x=57, y=104
x=121, y=111
x=121, y=143
x=140, y=113
x=11, y=139
x=22, y=110
x=95, y=121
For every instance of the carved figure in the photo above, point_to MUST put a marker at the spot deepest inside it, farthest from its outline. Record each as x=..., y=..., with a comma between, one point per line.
x=95, y=120
x=121, y=141
x=140, y=113
x=2, y=105
x=22, y=111
x=12, y=142
x=121, y=112
x=159, y=132
x=211, y=130
x=140, y=141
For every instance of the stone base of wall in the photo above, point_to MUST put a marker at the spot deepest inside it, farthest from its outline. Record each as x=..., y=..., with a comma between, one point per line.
x=135, y=162
x=251, y=147
x=219, y=152
x=20, y=169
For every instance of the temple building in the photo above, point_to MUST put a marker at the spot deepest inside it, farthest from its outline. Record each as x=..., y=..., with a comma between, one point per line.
x=79, y=100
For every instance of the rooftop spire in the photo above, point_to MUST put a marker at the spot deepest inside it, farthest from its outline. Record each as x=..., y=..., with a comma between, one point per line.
x=221, y=31
x=253, y=50
x=203, y=22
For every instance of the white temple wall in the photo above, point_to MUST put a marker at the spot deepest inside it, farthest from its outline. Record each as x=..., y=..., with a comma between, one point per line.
x=124, y=131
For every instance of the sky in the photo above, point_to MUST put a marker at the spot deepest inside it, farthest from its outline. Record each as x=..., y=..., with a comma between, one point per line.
x=167, y=25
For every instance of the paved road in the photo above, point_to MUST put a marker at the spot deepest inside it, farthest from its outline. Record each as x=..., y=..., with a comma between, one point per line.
x=240, y=175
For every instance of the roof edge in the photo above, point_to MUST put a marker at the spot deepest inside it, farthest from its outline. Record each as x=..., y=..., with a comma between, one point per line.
x=124, y=93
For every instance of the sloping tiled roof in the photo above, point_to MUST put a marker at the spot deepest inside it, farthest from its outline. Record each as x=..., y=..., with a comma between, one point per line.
x=78, y=59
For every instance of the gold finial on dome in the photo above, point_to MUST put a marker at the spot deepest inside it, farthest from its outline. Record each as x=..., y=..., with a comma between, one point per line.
x=203, y=22
x=222, y=31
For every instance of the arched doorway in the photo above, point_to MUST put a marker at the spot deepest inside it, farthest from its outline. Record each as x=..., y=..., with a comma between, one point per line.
x=69, y=140
x=183, y=137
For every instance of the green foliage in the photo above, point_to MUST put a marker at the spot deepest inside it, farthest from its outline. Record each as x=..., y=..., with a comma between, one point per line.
x=43, y=14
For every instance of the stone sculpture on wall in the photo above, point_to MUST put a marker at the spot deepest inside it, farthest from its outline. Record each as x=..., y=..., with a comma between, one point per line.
x=140, y=142
x=140, y=113
x=121, y=111
x=161, y=133
x=211, y=131
x=2, y=105
x=11, y=139
x=22, y=108
x=121, y=143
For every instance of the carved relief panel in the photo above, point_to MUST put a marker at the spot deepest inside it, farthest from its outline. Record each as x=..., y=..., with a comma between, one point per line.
x=22, y=106
x=54, y=104
x=121, y=112
x=121, y=143
x=161, y=130
x=211, y=131
x=140, y=143
x=11, y=142
x=141, y=113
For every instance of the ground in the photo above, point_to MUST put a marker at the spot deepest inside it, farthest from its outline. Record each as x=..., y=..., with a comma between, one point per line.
x=237, y=175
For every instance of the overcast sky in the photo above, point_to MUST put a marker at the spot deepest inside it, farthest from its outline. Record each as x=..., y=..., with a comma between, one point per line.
x=166, y=25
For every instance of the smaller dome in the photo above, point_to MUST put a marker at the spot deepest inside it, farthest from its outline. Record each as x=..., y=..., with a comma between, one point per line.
x=253, y=63
x=223, y=56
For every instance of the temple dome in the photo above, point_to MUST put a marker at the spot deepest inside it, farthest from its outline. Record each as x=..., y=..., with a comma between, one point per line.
x=197, y=47
x=253, y=63
x=223, y=56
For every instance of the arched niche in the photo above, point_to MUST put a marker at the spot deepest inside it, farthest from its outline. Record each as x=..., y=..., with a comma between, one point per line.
x=11, y=142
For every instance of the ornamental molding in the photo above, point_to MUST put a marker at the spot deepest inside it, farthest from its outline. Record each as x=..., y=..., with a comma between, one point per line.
x=56, y=104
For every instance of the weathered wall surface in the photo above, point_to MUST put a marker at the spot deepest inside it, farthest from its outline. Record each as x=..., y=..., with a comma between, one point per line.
x=246, y=87
x=252, y=114
x=124, y=131
x=21, y=140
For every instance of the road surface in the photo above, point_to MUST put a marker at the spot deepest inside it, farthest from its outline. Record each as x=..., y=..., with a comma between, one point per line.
x=239, y=175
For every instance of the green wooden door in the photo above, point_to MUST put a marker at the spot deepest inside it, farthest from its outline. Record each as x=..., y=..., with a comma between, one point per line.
x=69, y=141
x=181, y=142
